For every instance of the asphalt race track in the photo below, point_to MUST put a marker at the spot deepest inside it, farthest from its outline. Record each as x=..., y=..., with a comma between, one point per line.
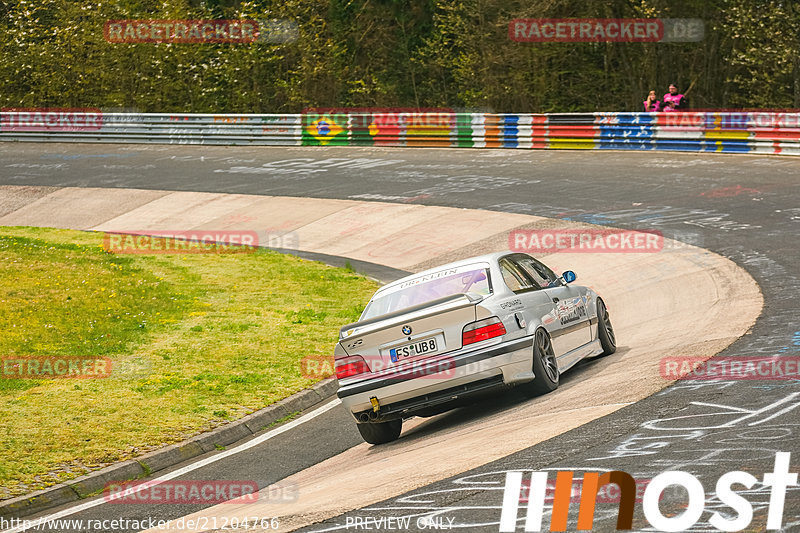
x=746, y=208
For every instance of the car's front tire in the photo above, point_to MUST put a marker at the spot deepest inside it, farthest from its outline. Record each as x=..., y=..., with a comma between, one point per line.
x=604, y=330
x=380, y=432
x=545, y=367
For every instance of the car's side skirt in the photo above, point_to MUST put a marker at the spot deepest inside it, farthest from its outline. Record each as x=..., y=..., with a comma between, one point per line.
x=580, y=353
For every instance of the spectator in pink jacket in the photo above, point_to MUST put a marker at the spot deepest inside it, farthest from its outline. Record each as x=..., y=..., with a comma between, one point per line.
x=652, y=104
x=669, y=107
x=673, y=96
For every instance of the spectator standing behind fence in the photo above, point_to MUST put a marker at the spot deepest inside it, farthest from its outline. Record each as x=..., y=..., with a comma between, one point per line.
x=652, y=104
x=679, y=100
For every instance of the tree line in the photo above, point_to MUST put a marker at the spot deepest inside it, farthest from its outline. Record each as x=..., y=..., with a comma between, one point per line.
x=395, y=53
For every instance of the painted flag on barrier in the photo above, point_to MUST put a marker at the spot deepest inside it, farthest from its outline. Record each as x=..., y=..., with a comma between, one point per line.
x=464, y=133
x=402, y=126
x=324, y=129
x=385, y=128
x=379, y=126
x=337, y=126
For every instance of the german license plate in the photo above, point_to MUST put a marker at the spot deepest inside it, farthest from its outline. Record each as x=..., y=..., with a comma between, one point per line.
x=414, y=349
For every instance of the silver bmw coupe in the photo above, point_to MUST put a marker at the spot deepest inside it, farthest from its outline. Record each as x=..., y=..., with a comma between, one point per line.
x=433, y=340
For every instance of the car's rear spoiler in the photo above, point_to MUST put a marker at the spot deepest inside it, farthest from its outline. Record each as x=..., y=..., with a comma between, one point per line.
x=471, y=299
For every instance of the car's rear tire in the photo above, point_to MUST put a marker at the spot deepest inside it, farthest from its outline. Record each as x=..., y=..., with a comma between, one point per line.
x=380, y=432
x=604, y=330
x=545, y=366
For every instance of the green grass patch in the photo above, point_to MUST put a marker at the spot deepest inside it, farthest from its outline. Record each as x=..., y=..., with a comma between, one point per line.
x=195, y=340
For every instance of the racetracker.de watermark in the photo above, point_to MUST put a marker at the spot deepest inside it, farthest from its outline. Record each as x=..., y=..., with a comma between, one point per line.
x=54, y=367
x=51, y=119
x=411, y=118
x=320, y=366
x=182, y=242
x=608, y=493
x=730, y=368
x=181, y=31
x=548, y=241
x=606, y=30
x=241, y=31
x=182, y=492
x=730, y=119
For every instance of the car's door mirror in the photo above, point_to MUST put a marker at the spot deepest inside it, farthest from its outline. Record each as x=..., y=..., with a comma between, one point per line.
x=568, y=276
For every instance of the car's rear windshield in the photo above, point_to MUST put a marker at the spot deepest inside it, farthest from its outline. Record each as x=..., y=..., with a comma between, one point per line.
x=461, y=280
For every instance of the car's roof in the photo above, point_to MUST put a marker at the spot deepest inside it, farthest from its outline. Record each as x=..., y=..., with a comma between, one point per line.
x=485, y=258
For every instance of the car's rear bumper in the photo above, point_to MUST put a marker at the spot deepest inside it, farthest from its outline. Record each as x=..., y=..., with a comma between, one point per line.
x=439, y=380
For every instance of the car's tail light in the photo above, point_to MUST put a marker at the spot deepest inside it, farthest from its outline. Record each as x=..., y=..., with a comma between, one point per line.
x=482, y=330
x=350, y=366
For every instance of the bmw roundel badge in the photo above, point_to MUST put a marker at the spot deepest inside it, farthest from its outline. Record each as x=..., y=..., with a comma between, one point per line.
x=406, y=330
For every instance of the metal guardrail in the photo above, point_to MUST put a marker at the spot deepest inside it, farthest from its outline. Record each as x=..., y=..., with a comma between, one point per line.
x=736, y=132
x=158, y=128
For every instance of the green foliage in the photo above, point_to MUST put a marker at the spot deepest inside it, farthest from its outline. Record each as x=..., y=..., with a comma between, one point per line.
x=764, y=53
x=394, y=53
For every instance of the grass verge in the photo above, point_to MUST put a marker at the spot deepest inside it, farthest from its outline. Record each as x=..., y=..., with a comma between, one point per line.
x=195, y=340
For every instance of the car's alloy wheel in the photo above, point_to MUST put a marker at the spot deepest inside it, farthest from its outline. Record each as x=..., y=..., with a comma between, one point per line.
x=547, y=355
x=604, y=330
x=545, y=366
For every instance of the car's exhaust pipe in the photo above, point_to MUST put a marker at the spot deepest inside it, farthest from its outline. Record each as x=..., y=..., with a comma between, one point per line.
x=363, y=417
x=373, y=415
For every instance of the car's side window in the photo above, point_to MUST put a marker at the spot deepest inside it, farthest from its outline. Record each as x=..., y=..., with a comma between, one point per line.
x=543, y=276
x=544, y=270
x=514, y=277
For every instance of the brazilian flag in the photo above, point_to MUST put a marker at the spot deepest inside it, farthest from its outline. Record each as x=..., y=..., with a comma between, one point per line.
x=324, y=129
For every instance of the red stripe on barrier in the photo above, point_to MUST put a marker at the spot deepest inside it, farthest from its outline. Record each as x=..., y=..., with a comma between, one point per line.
x=573, y=131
